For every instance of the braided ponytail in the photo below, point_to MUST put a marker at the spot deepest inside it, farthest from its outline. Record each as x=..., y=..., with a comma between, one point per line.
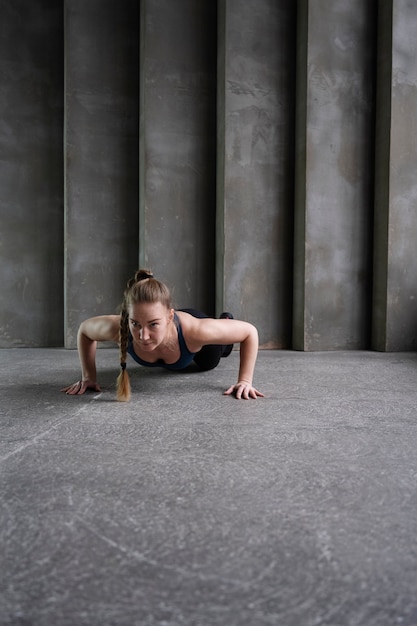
x=143, y=287
x=123, y=380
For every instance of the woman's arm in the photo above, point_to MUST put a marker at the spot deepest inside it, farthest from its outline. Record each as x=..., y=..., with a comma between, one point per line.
x=199, y=332
x=101, y=328
x=248, y=355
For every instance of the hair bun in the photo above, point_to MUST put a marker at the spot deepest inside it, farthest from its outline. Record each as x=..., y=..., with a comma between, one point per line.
x=142, y=275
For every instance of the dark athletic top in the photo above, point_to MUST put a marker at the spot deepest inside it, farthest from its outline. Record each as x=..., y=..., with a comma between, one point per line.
x=185, y=355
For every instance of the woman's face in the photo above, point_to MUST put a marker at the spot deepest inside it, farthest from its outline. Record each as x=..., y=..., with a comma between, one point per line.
x=148, y=324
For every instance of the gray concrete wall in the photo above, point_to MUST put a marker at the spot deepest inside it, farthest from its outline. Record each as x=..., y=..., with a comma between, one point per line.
x=395, y=263
x=101, y=156
x=255, y=172
x=180, y=127
x=334, y=180
x=178, y=147
x=31, y=173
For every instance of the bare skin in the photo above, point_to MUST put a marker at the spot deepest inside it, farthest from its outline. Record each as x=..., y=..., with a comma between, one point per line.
x=155, y=337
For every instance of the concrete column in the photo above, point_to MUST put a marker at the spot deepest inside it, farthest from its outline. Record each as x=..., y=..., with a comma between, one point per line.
x=255, y=171
x=101, y=156
x=334, y=174
x=395, y=259
x=31, y=174
x=177, y=146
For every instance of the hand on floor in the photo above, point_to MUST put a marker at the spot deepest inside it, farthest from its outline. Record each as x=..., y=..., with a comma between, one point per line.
x=81, y=387
x=243, y=390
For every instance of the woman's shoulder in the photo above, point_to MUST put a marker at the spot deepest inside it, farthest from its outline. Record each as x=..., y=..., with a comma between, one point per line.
x=186, y=321
x=101, y=327
x=190, y=327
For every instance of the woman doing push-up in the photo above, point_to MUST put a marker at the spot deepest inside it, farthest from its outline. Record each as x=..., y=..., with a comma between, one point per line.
x=156, y=335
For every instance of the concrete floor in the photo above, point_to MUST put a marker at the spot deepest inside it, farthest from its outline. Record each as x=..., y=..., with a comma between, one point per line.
x=186, y=507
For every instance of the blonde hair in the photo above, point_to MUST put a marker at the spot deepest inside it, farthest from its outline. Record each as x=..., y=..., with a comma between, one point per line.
x=143, y=287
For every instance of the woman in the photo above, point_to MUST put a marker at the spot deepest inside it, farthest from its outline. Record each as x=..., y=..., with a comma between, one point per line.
x=156, y=335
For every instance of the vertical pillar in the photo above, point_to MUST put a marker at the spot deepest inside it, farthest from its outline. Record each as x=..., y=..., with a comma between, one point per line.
x=334, y=174
x=101, y=156
x=177, y=146
x=31, y=174
x=255, y=172
x=395, y=259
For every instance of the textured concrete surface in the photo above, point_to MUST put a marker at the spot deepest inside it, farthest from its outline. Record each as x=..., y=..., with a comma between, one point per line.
x=186, y=507
x=101, y=156
x=334, y=186
x=395, y=264
x=178, y=146
x=255, y=168
x=31, y=173
x=89, y=65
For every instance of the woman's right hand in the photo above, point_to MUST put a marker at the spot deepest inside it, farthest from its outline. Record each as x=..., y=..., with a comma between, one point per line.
x=81, y=387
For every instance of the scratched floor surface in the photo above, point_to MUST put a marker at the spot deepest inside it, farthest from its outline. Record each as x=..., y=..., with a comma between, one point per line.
x=187, y=507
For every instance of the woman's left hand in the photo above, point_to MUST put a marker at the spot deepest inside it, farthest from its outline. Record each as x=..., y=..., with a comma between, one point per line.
x=245, y=390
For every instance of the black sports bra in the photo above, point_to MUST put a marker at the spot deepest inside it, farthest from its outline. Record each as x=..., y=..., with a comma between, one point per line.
x=185, y=355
